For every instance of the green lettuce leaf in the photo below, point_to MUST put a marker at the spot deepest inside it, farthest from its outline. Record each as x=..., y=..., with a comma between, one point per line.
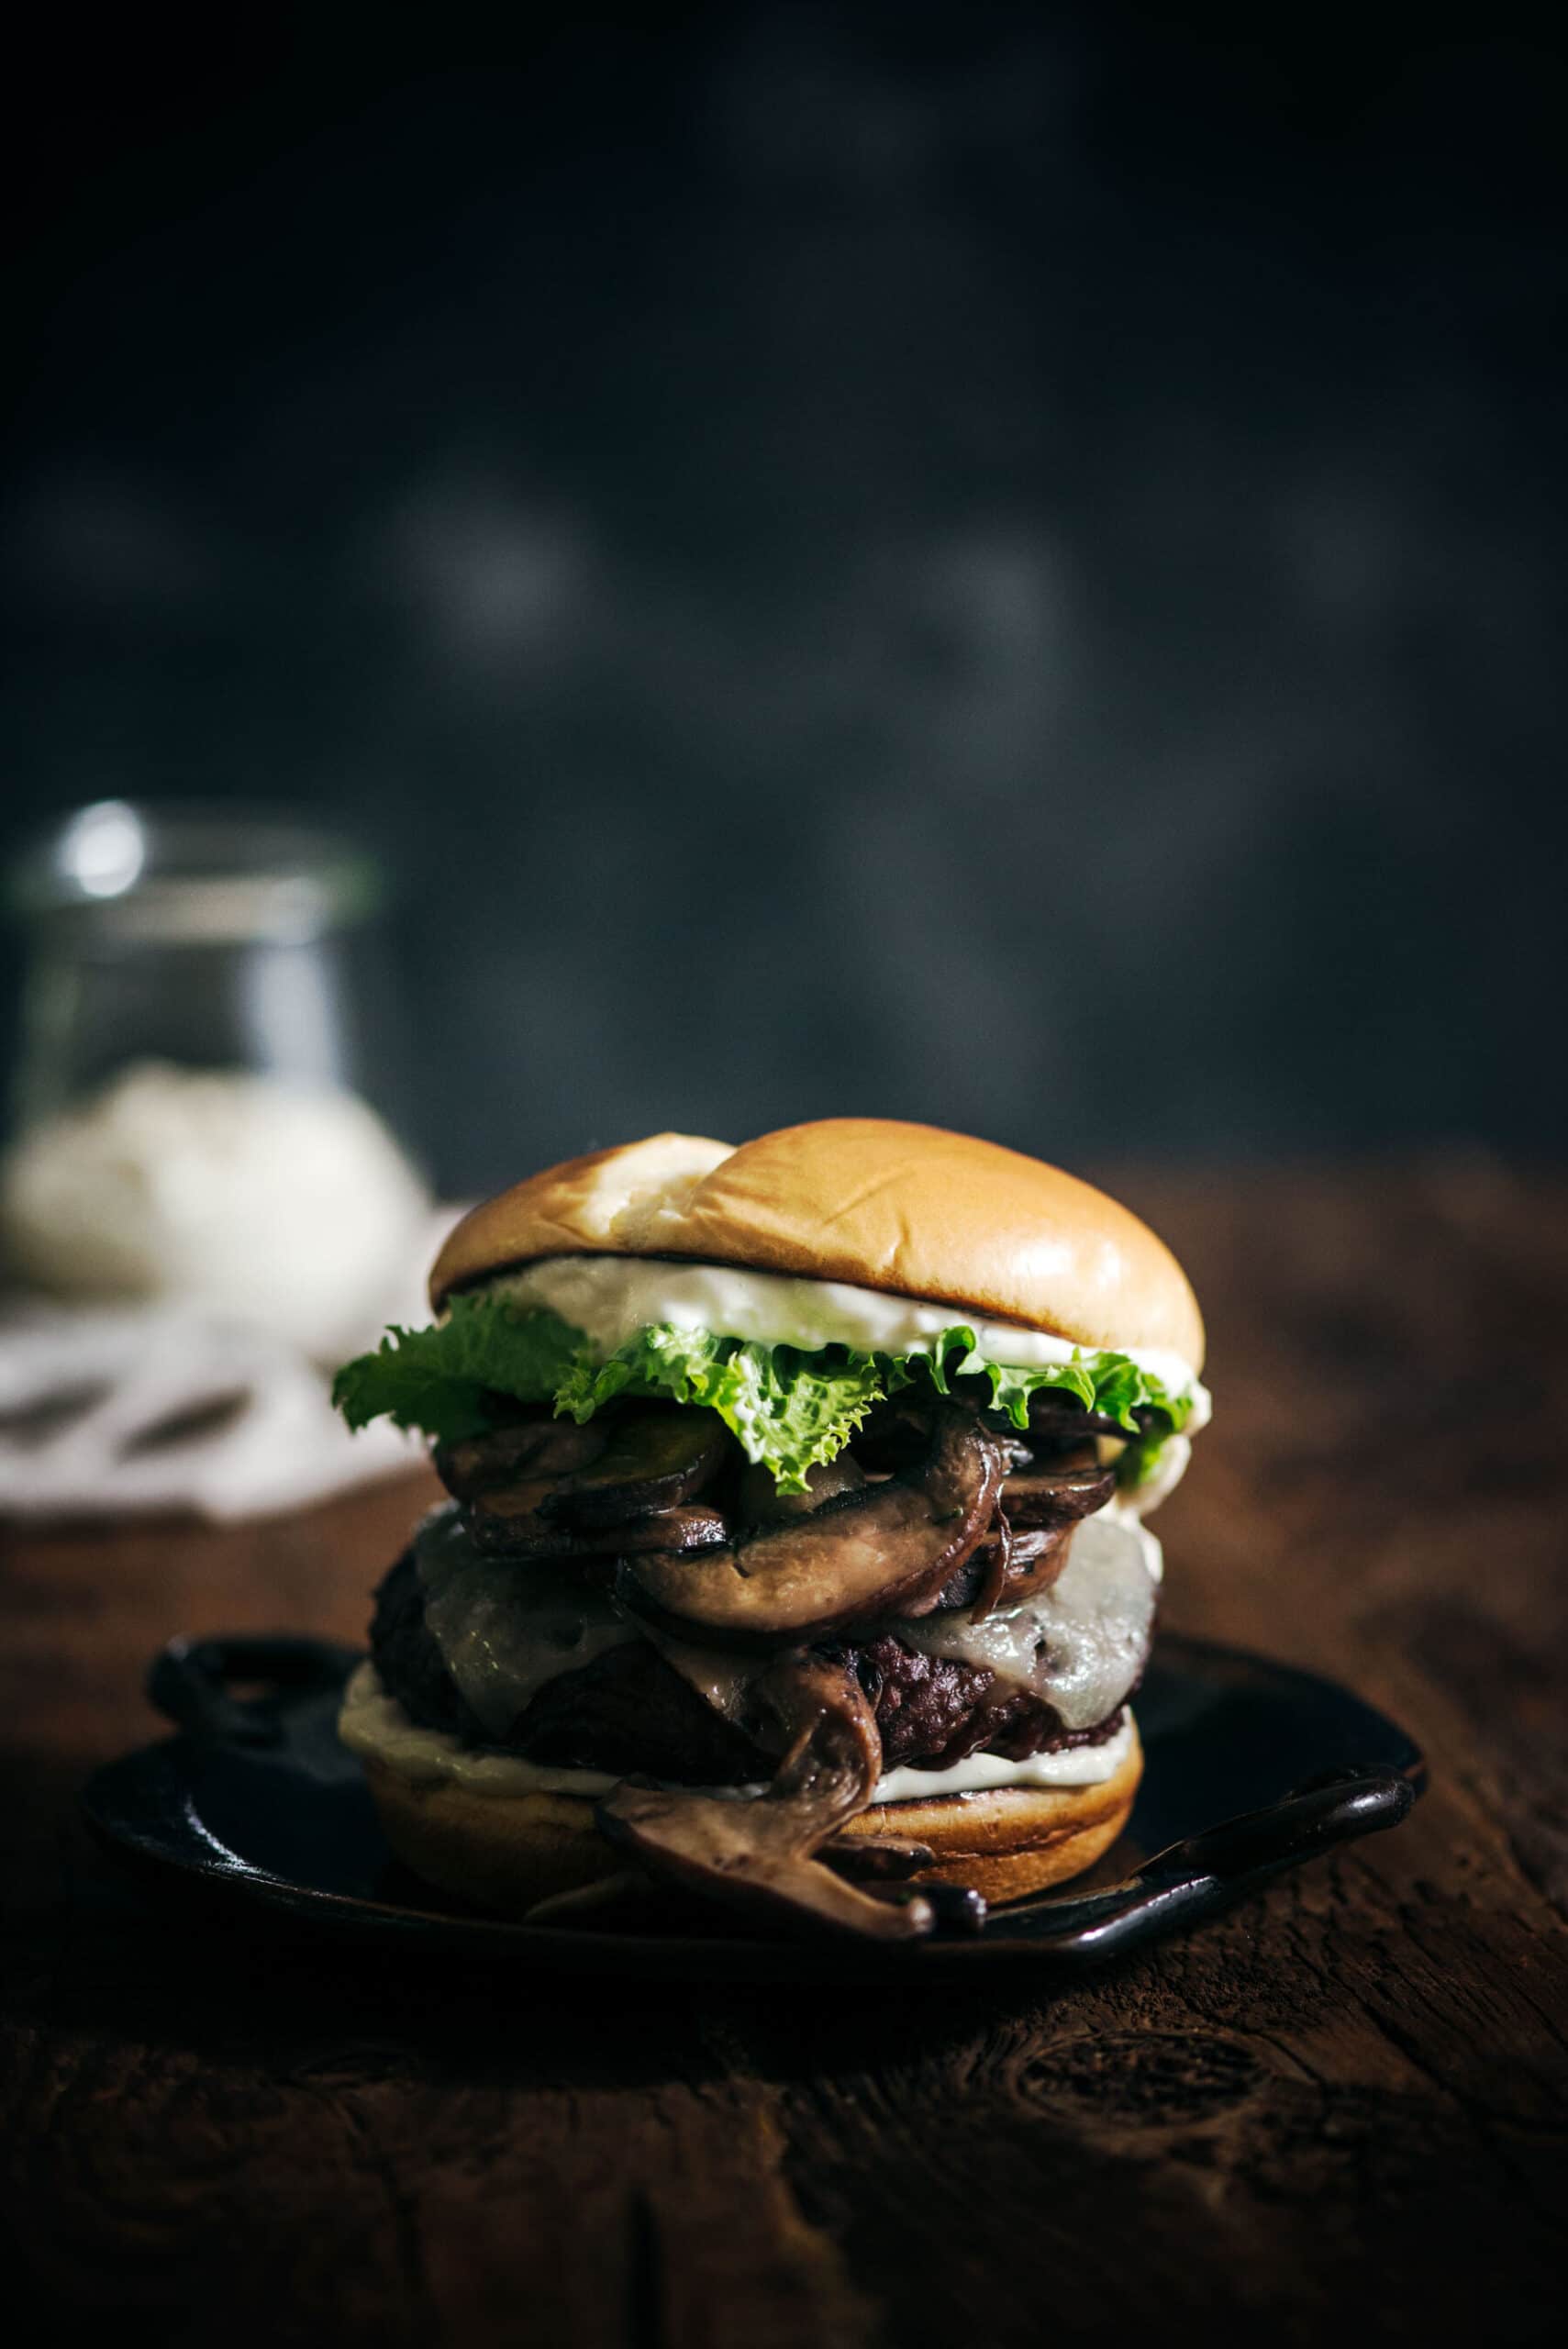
x=788, y=1409
x=1100, y=1383
x=453, y=1380
x=1109, y=1383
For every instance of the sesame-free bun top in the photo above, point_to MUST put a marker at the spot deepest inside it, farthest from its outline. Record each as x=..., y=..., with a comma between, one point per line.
x=904, y=1208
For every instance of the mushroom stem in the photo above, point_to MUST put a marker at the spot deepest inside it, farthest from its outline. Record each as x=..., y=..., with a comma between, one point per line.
x=758, y=1853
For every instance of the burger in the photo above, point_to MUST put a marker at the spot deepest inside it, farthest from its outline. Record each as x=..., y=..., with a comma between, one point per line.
x=795, y=1554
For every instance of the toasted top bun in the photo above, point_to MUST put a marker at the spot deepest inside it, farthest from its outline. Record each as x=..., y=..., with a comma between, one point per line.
x=905, y=1208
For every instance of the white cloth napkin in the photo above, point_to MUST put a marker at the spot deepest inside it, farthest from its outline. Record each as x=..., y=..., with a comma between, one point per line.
x=128, y=1410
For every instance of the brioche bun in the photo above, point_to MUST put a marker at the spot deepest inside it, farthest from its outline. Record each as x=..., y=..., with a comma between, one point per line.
x=904, y=1208
x=1005, y=1842
x=506, y=1853
x=503, y=1852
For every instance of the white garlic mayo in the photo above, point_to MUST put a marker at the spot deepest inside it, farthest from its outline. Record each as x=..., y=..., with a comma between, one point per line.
x=610, y=1298
x=286, y=1207
x=375, y=1727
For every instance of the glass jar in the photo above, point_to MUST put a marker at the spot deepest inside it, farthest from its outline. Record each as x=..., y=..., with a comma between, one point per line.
x=203, y=1036
x=200, y=936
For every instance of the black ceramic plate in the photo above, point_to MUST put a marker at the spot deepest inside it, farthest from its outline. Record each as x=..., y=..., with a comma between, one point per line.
x=1251, y=1768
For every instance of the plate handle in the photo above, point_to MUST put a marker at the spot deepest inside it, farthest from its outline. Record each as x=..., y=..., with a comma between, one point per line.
x=194, y=1683
x=1210, y=1870
x=1334, y=1808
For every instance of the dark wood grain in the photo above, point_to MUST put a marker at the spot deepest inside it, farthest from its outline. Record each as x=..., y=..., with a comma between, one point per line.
x=1342, y=2110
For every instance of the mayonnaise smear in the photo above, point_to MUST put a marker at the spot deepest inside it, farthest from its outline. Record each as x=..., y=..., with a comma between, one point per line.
x=375, y=1726
x=610, y=1298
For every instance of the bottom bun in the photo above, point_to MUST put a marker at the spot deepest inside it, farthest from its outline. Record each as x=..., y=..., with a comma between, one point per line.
x=507, y=1853
x=500, y=1851
x=1010, y=1841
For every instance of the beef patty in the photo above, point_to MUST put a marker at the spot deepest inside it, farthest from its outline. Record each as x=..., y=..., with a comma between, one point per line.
x=629, y=1710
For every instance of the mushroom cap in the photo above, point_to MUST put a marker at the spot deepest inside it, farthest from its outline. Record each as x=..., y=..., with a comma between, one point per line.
x=910, y=1210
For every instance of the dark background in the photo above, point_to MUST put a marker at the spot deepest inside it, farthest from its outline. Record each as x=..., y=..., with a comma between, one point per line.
x=989, y=564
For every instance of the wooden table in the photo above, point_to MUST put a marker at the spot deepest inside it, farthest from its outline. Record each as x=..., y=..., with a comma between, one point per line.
x=1339, y=2111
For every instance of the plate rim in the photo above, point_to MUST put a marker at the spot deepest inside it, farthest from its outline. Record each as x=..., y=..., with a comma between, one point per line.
x=209, y=1867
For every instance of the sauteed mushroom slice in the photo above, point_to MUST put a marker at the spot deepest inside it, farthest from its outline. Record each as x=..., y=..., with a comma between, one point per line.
x=538, y=1446
x=877, y=1859
x=887, y=1551
x=760, y=1502
x=894, y=1434
x=1043, y=1498
x=694, y=1527
x=758, y=1854
x=1057, y=1418
x=653, y=1460
x=996, y=1574
x=897, y=1432
x=507, y=1517
x=510, y=1523
x=1033, y=1563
